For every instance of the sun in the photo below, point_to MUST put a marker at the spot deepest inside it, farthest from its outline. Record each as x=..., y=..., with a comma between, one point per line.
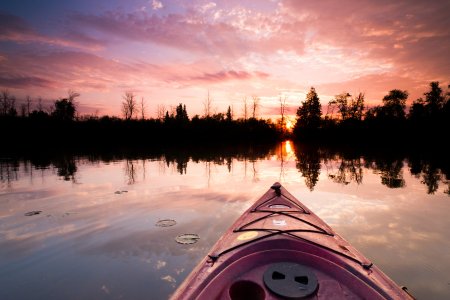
x=289, y=125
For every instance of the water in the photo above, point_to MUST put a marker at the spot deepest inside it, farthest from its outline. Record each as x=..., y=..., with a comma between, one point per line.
x=94, y=233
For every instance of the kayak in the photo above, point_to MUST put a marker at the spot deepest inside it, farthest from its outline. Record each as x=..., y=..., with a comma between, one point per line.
x=279, y=249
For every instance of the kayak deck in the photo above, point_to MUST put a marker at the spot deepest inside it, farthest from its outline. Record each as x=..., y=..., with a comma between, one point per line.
x=280, y=249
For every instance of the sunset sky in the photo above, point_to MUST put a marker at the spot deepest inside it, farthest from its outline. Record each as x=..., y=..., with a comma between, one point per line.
x=173, y=51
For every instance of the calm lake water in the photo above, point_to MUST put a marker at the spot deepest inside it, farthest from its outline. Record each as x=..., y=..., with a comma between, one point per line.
x=93, y=232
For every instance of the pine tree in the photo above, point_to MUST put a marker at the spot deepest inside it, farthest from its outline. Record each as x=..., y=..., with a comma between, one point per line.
x=309, y=113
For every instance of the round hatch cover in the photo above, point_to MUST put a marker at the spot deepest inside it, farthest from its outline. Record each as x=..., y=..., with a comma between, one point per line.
x=290, y=280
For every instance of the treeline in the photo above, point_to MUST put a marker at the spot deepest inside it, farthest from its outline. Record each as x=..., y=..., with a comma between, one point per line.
x=59, y=125
x=348, y=119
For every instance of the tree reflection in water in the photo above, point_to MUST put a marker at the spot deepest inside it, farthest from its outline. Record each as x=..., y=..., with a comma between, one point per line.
x=308, y=164
x=341, y=166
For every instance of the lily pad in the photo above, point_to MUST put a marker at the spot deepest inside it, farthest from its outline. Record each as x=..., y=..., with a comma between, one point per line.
x=32, y=213
x=187, y=238
x=120, y=192
x=166, y=223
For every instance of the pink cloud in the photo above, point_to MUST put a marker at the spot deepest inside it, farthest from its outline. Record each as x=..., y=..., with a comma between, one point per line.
x=414, y=36
x=15, y=29
x=91, y=72
x=234, y=33
x=23, y=81
x=229, y=75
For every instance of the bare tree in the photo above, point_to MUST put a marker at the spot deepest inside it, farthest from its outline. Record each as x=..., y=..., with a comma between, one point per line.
x=282, y=112
x=160, y=111
x=39, y=105
x=23, y=110
x=244, y=100
x=129, y=106
x=72, y=95
x=255, y=106
x=207, y=106
x=28, y=103
x=142, y=108
x=5, y=102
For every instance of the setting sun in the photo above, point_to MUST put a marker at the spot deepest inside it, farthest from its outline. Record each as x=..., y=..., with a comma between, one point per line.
x=289, y=125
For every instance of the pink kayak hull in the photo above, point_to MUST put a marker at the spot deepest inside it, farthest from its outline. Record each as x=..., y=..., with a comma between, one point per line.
x=279, y=249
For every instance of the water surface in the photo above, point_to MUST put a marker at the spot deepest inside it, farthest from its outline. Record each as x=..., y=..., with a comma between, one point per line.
x=94, y=236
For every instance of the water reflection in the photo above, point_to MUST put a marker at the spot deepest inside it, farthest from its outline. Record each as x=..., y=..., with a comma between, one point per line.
x=308, y=164
x=96, y=236
x=432, y=171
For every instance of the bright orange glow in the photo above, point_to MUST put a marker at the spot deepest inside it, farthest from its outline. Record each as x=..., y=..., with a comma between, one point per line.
x=289, y=125
x=288, y=148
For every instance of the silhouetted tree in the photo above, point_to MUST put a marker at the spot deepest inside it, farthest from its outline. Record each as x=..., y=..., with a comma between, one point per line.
x=129, y=106
x=23, y=110
x=40, y=106
x=181, y=114
x=7, y=104
x=245, y=109
x=434, y=99
x=342, y=102
x=28, y=104
x=255, y=106
x=142, y=108
x=160, y=111
x=229, y=116
x=167, y=117
x=72, y=95
x=282, y=101
x=64, y=110
x=417, y=111
x=394, y=104
x=357, y=107
x=309, y=113
x=207, y=106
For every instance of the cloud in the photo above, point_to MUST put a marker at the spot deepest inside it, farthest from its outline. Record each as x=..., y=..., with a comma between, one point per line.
x=414, y=36
x=15, y=29
x=11, y=25
x=222, y=76
x=233, y=34
x=157, y=5
x=23, y=81
x=90, y=72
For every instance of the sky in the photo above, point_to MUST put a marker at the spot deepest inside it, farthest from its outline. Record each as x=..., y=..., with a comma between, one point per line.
x=172, y=51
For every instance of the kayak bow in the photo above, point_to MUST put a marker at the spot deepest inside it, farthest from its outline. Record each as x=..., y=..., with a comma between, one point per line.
x=280, y=249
